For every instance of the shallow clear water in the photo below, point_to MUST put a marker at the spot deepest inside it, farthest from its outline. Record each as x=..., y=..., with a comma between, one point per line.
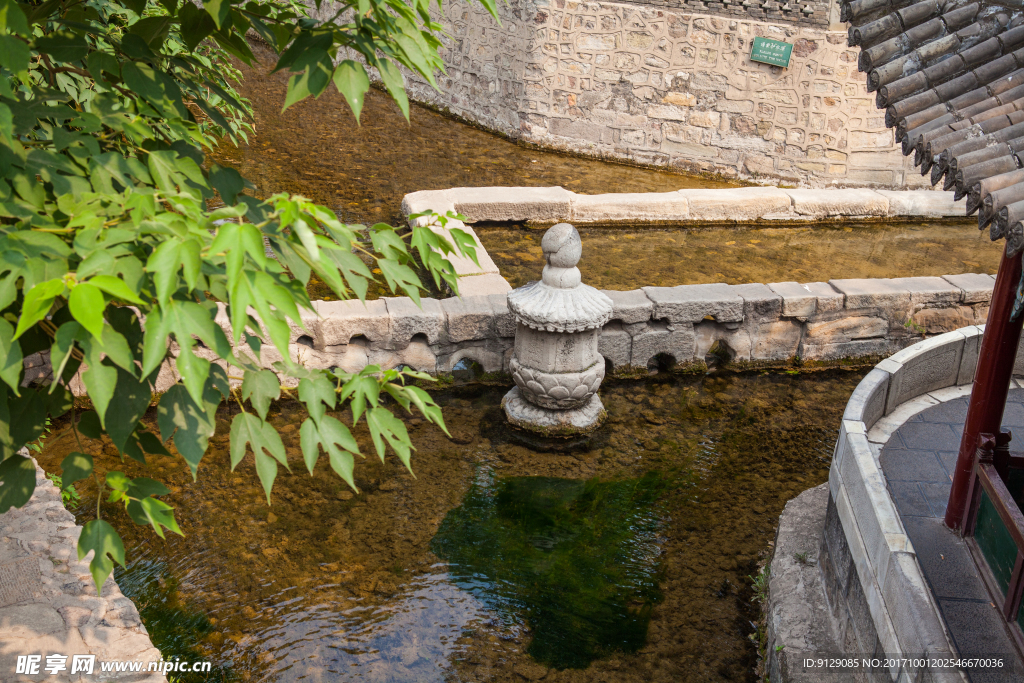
x=483, y=566
x=362, y=171
x=622, y=258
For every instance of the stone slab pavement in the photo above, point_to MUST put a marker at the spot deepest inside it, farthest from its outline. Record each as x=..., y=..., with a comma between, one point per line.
x=49, y=605
x=918, y=462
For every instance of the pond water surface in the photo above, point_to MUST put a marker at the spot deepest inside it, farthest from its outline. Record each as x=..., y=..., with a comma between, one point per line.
x=625, y=560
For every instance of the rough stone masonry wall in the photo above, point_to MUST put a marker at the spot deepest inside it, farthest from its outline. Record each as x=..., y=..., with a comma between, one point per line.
x=48, y=602
x=817, y=13
x=667, y=88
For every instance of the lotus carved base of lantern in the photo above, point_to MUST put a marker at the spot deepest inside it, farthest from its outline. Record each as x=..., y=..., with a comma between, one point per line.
x=555, y=363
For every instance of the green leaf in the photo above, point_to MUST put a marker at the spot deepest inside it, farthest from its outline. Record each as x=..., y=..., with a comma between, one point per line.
x=137, y=6
x=63, y=46
x=153, y=30
x=352, y=82
x=11, y=359
x=126, y=323
x=60, y=352
x=336, y=440
x=14, y=54
x=87, y=304
x=75, y=467
x=100, y=378
x=392, y=79
x=196, y=25
x=228, y=182
x=118, y=481
x=156, y=513
x=101, y=538
x=190, y=423
x=151, y=444
x=27, y=417
x=127, y=406
x=17, y=482
x=115, y=287
x=385, y=427
x=260, y=388
x=58, y=402
x=265, y=443
x=37, y=304
x=140, y=487
x=12, y=17
x=219, y=11
x=89, y=425
x=315, y=393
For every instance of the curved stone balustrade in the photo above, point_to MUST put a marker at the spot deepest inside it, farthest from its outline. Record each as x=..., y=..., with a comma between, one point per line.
x=872, y=578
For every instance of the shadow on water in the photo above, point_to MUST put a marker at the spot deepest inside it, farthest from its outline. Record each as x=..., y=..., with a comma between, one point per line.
x=624, y=560
x=577, y=559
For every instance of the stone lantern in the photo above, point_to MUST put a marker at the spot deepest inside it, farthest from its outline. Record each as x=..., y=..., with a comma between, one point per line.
x=555, y=362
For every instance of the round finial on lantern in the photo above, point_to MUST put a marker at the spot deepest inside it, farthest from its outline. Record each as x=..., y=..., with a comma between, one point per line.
x=562, y=249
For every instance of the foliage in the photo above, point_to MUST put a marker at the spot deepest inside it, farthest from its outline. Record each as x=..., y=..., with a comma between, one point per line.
x=69, y=497
x=114, y=261
x=576, y=559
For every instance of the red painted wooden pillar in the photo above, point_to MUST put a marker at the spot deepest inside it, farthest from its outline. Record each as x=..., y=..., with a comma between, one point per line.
x=991, y=383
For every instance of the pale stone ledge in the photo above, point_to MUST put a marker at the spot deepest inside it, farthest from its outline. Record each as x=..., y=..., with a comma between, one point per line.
x=545, y=205
x=48, y=601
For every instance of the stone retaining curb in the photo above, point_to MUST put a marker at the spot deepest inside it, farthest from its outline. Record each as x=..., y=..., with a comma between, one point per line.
x=775, y=322
x=755, y=323
x=48, y=602
x=732, y=205
x=902, y=609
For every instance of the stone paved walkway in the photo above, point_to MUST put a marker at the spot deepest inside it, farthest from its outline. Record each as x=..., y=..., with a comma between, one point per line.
x=918, y=462
x=49, y=605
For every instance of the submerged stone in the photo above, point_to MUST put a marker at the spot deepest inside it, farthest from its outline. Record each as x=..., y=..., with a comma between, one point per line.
x=578, y=560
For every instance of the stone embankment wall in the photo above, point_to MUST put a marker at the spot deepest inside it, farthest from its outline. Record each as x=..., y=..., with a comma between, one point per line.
x=666, y=87
x=48, y=602
x=757, y=323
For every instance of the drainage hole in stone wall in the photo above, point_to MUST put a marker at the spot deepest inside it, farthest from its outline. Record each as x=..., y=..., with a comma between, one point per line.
x=719, y=355
x=662, y=362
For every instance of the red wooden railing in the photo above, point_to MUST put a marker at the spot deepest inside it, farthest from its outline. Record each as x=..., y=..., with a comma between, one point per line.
x=991, y=468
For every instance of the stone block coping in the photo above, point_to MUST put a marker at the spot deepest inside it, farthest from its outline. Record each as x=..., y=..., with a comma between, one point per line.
x=900, y=386
x=546, y=205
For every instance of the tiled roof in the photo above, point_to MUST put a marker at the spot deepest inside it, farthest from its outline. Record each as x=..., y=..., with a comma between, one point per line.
x=950, y=76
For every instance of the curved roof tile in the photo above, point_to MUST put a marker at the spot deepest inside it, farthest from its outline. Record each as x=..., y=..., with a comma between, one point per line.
x=950, y=76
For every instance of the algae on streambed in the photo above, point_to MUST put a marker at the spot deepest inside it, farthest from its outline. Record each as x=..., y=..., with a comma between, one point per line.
x=327, y=585
x=630, y=258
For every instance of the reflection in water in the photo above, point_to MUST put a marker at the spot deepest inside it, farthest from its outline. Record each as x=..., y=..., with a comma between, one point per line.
x=327, y=585
x=576, y=558
x=671, y=257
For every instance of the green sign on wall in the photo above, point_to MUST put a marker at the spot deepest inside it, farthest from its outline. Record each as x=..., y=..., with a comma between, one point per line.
x=773, y=52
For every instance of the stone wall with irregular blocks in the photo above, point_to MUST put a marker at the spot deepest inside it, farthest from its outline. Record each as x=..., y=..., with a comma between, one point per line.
x=817, y=13
x=664, y=87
